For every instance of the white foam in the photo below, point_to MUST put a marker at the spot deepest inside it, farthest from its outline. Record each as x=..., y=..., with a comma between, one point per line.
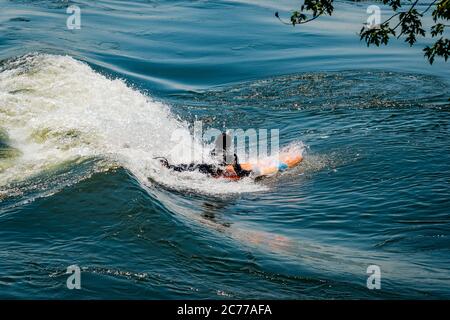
x=56, y=109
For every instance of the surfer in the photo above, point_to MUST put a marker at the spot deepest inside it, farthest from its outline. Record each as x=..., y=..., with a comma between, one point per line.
x=228, y=166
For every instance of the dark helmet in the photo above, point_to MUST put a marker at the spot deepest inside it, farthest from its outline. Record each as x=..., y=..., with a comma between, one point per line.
x=223, y=148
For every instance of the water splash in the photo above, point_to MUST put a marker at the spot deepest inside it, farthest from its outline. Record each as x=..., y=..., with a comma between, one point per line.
x=55, y=109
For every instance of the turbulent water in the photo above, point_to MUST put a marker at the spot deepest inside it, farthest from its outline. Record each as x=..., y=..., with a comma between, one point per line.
x=83, y=114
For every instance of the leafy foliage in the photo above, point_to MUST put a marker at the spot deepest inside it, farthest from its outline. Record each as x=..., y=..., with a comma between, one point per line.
x=318, y=7
x=394, y=4
x=315, y=7
x=409, y=21
x=437, y=29
x=411, y=25
x=442, y=10
x=378, y=35
x=439, y=48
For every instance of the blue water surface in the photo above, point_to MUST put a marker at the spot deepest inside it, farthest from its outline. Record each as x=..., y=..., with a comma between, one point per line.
x=374, y=187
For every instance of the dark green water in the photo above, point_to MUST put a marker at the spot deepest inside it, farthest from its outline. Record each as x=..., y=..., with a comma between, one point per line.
x=83, y=113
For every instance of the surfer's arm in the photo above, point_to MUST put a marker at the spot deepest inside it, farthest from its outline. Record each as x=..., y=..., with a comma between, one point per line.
x=179, y=168
x=238, y=169
x=202, y=167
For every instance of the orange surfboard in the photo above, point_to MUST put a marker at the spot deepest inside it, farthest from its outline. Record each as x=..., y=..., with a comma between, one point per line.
x=269, y=166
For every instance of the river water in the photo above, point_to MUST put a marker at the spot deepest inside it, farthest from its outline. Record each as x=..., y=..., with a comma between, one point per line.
x=83, y=113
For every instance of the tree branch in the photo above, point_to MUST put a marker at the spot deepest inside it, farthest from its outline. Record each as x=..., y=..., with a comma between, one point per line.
x=428, y=8
x=407, y=15
x=301, y=22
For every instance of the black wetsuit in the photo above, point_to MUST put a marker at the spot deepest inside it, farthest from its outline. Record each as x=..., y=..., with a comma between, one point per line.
x=223, y=143
x=209, y=169
x=202, y=168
